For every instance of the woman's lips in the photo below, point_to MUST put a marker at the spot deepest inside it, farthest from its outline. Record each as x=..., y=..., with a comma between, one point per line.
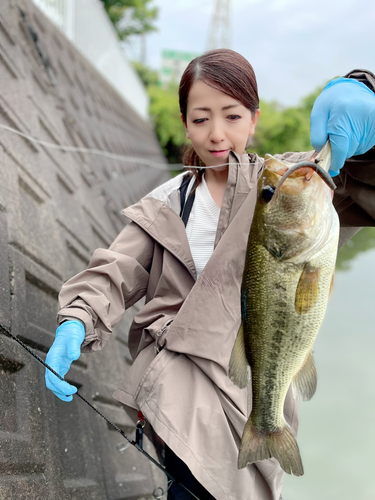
x=219, y=154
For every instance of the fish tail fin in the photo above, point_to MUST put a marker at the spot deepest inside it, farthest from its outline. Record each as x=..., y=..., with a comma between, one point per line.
x=256, y=445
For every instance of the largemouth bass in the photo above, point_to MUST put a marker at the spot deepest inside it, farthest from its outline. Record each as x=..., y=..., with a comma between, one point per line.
x=287, y=278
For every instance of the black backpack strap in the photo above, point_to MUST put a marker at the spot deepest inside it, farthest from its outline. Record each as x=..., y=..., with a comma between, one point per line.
x=183, y=188
x=186, y=204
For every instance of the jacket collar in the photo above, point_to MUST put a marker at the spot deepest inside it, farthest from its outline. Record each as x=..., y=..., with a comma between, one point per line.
x=165, y=226
x=242, y=177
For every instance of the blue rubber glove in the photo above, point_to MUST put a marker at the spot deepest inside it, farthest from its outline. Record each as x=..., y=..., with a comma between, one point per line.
x=345, y=113
x=65, y=349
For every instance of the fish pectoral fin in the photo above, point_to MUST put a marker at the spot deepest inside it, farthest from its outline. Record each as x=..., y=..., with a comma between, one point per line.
x=239, y=371
x=307, y=292
x=305, y=381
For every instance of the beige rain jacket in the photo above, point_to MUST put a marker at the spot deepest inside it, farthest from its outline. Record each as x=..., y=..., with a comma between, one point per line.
x=183, y=389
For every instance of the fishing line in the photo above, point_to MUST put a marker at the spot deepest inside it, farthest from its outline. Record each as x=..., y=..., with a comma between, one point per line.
x=131, y=441
x=113, y=156
x=99, y=152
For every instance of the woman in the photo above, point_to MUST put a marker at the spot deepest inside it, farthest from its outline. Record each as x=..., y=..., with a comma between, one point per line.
x=182, y=338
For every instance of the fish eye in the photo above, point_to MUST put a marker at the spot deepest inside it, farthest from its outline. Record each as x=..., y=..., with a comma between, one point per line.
x=267, y=193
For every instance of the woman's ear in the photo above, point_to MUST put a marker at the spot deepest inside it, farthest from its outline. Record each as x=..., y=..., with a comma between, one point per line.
x=183, y=121
x=254, y=121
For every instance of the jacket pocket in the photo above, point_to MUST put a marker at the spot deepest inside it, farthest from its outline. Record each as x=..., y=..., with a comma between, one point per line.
x=151, y=375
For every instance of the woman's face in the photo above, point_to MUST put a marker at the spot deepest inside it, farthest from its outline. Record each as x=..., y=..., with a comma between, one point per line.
x=216, y=123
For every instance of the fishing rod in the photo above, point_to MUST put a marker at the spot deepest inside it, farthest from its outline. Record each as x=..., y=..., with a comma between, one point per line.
x=137, y=445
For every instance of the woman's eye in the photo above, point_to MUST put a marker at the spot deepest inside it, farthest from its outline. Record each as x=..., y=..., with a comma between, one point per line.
x=200, y=120
x=233, y=117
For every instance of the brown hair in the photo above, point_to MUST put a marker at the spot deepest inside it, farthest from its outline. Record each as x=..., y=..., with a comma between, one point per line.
x=224, y=70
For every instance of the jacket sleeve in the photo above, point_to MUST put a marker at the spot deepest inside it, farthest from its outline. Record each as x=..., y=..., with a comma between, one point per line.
x=116, y=278
x=354, y=197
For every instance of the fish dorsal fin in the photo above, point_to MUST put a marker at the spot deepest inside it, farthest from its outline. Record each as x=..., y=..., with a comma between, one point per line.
x=239, y=371
x=307, y=292
x=305, y=381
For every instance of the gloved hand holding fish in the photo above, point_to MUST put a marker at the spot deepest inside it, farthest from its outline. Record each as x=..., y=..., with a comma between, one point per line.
x=289, y=267
x=343, y=112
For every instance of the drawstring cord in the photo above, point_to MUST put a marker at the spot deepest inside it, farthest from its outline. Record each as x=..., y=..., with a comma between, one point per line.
x=140, y=416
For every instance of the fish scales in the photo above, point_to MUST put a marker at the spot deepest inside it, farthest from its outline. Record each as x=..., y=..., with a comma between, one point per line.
x=287, y=278
x=278, y=348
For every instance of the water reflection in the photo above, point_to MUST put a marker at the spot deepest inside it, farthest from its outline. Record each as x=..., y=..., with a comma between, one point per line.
x=337, y=430
x=361, y=242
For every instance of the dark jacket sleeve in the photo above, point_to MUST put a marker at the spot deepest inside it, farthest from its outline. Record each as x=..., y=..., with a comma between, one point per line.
x=354, y=197
x=115, y=279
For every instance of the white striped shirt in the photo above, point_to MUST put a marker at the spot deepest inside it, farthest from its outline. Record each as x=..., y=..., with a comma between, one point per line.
x=202, y=226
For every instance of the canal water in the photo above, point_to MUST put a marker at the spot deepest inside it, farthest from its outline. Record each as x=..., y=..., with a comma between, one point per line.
x=337, y=427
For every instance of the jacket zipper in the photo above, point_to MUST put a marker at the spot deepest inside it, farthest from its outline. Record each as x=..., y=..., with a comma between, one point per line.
x=159, y=342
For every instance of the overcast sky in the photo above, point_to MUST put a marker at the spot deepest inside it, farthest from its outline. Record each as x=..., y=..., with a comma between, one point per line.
x=293, y=45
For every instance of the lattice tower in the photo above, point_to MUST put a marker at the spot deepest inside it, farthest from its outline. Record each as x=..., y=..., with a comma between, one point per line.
x=220, y=27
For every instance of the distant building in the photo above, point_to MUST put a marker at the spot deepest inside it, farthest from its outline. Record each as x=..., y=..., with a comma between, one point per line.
x=174, y=63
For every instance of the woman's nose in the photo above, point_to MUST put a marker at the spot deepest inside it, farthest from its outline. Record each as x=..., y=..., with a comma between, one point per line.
x=217, y=132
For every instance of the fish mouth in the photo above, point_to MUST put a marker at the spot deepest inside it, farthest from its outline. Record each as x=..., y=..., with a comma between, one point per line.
x=323, y=174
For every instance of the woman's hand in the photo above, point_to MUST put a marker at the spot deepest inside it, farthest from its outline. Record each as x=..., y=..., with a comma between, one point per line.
x=65, y=349
x=344, y=113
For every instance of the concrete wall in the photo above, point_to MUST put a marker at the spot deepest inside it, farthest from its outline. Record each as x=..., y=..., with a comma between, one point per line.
x=55, y=209
x=86, y=24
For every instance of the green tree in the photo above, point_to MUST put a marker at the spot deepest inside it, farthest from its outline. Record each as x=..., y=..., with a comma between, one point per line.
x=148, y=76
x=132, y=17
x=165, y=114
x=284, y=129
